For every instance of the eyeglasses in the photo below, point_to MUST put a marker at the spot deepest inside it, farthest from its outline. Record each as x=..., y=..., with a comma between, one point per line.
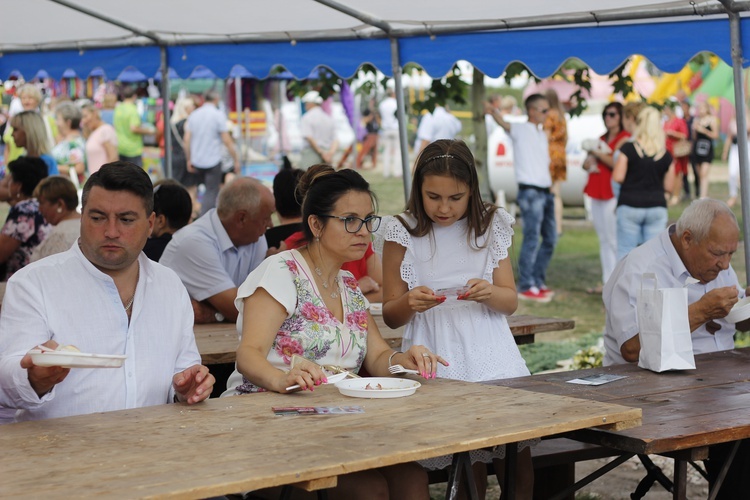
x=611, y=114
x=353, y=224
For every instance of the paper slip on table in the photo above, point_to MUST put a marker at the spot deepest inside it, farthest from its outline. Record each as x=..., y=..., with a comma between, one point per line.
x=684, y=412
x=237, y=444
x=217, y=342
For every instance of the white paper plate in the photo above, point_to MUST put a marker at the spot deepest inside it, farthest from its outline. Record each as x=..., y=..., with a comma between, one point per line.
x=376, y=308
x=740, y=311
x=71, y=359
x=380, y=387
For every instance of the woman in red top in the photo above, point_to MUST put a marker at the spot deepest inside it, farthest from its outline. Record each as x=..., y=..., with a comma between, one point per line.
x=599, y=165
x=676, y=129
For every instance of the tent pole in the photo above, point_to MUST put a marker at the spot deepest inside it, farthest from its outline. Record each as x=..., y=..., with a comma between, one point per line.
x=401, y=115
x=735, y=37
x=165, y=112
x=240, y=118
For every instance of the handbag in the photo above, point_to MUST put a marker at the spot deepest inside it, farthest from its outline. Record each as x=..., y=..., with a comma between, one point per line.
x=663, y=328
x=702, y=147
x=681, y=148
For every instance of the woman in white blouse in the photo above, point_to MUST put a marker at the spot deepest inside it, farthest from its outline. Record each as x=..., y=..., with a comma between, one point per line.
x=58, y=201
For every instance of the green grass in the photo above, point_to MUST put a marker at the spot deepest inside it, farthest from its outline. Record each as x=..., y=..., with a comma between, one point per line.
x=574, y=268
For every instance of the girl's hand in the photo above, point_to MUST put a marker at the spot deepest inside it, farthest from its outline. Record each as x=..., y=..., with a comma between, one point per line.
x=480, y=291
x=422, y=298
x=419, y=358
x=306, y=375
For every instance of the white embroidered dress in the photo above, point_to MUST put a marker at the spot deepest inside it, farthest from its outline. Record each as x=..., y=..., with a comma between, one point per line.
x=473, y=338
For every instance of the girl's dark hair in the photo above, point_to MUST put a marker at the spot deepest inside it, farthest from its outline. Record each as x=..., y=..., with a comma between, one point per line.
x=285, y=191
x=321, y=187
x=617, y=107
x=449, y=158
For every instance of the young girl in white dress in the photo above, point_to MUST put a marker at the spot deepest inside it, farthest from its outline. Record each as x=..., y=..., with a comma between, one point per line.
x=448, y=237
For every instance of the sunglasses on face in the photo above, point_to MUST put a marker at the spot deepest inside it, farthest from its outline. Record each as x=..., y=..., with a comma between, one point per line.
x=611, y=114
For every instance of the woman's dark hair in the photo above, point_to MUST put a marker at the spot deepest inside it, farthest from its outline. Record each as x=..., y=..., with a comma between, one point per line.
x=321, y=187
x=58, y=187
x=284, y=191
x=448, y=158
x=617, y=107
x=122, y=176
x=27, y=171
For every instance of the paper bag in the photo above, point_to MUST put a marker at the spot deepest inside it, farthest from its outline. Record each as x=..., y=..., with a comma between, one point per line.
x=664, y=327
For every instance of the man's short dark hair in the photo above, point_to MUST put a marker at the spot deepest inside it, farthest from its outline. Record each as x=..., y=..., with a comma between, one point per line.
x=122, y=176
x=285, y=192
x=533, y=99
x=173, y=201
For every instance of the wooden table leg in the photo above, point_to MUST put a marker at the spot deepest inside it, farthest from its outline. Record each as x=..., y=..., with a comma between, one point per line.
x=679, y=482
x=461, y=466
x=511, y=470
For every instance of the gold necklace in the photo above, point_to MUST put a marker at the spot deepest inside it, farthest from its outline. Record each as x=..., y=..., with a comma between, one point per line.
x=132, y=298
x=334, y=293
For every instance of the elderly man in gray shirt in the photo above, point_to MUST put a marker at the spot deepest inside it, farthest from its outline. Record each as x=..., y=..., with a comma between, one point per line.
x=214, y=255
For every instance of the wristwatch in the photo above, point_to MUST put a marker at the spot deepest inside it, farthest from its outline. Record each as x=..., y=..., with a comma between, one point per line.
x=219, y=317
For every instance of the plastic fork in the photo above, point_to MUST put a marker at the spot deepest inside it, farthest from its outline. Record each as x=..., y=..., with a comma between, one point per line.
x=396, y=369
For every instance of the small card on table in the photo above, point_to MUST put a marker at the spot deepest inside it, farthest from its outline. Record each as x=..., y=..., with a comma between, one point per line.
x=602, y=378
x=316, y=410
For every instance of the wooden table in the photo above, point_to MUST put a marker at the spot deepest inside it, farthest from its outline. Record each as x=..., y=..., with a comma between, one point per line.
x=217, y=342
x=236, y=444
x=683, y=412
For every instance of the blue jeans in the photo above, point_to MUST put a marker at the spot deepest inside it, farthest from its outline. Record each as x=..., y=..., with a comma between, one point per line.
x=538, y=215
x=638, y=225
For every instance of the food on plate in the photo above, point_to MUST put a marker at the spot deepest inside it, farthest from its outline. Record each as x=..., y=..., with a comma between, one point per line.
x=69, y=348
x=369, y=387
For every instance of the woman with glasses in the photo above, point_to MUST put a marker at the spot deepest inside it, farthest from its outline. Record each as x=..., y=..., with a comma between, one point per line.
x=599, y=164
x=304, y=307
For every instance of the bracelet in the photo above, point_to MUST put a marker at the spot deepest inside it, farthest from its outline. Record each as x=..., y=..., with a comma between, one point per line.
x=390, y=358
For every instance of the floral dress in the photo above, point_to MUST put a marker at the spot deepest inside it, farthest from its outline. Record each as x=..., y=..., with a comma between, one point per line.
x=25, y=224
x=310, y=329
x=69, y=152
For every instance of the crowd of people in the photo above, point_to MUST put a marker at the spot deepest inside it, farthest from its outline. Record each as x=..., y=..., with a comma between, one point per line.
x=145, y=273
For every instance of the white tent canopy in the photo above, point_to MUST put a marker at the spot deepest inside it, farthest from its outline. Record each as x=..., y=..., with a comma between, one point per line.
x=83, y=35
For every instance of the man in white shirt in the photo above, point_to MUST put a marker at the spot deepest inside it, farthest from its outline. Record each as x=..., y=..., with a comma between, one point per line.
x=319, y=132
x=537, y=203
x=206, y=132
x=440, y=124
x=389, y=136
x=213, y=255
x=103, y=296
x=695, y=253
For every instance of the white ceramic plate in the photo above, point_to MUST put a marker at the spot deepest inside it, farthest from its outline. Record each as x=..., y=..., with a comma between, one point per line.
x=740, y=311
x=379, y=387
x=71, y=359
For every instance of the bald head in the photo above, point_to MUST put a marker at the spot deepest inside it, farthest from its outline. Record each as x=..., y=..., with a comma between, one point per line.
x=244, y=208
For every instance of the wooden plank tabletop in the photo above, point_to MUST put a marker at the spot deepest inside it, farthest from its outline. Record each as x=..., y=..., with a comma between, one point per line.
x=681, y=410
x=236, y=444
x=217, y=342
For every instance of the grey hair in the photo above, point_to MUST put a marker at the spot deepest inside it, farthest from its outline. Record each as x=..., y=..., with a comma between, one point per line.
x=700, y=215
x=212, y=95
x=69, y=112
x=241, y=194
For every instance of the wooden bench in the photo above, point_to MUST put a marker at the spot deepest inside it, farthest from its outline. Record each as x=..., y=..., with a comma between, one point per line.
x=554, y=465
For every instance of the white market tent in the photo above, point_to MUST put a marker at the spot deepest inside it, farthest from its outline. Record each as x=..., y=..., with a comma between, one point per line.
x=156, y=35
